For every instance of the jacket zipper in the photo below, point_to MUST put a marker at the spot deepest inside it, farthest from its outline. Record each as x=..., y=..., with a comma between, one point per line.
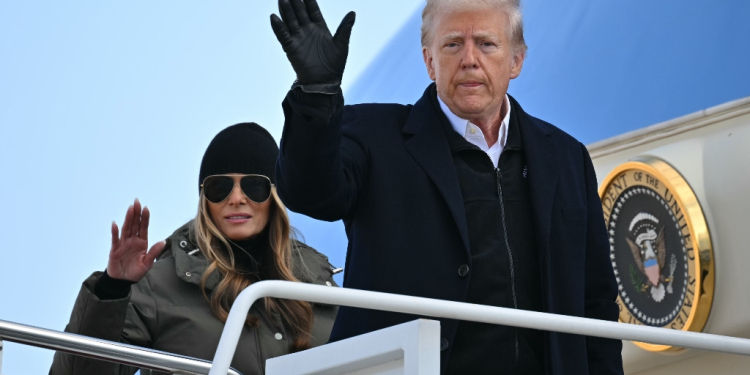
x=499, y=176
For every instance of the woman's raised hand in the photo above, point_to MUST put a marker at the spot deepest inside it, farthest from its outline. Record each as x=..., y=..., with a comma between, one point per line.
x=130, y=258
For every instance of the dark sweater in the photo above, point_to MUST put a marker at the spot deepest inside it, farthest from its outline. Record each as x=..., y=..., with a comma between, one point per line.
x=498, y=213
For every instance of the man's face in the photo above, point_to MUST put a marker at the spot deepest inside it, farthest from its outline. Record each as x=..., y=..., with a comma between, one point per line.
x=472, y=61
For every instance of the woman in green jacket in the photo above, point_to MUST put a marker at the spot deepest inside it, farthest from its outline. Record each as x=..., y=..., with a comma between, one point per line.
x=176, y=296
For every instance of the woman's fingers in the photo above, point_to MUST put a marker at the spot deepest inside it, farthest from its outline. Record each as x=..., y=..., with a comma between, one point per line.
x=136, y=218
x=128, y=258
x=143, y=231
x=115, y=236
x=127, y=224
x=154, y=252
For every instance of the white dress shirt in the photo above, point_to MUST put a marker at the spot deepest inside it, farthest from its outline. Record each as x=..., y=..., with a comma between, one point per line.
x=474, y=135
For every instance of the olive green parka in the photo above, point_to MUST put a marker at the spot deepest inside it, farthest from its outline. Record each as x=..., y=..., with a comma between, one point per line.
x=167, y=311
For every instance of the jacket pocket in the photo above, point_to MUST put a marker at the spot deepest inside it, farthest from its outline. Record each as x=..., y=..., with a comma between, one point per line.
x=574, y=213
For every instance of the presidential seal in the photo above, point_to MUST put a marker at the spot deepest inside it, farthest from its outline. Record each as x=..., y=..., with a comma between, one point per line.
x=660, y=247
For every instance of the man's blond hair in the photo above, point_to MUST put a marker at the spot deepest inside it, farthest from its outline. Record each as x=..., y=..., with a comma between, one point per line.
x=512, y=9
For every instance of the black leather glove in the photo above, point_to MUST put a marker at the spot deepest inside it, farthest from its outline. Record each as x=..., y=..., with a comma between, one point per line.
x=317, y=57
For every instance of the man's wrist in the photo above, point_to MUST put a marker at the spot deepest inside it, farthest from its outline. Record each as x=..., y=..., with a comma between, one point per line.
x=318, y=88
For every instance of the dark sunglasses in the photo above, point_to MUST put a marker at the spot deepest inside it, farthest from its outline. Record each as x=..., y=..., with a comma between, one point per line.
x=256, y=188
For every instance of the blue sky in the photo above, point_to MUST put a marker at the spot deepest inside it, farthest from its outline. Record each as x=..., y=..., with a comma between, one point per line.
x=103, y=102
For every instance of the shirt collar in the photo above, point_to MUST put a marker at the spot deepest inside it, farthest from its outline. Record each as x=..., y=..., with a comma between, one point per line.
x=463, y=127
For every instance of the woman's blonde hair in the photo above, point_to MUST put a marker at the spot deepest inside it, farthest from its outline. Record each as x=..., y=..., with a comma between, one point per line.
x=277, y=266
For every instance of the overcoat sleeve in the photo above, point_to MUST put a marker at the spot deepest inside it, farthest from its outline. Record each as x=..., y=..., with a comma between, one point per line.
x=604, y=355
x=323, y=157
x=122, y=320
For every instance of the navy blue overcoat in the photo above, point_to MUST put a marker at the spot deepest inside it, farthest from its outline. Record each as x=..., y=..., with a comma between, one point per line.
x=387, y=171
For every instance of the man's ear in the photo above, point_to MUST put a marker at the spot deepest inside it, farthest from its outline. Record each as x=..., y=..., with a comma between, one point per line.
x=518, y=58
x=428, y=62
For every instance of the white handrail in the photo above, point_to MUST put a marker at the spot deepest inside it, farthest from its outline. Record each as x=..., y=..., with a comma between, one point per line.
x=104, y=350
x=459, y=311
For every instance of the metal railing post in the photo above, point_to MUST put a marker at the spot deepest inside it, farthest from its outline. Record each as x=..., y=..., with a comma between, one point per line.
x=459, y=311
x=1, y=357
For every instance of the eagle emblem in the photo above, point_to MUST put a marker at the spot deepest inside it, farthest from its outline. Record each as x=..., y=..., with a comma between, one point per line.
x=650, y=252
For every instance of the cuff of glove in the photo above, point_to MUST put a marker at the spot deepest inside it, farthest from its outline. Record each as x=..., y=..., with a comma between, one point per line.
x=317, y=109
x=318, y=88
x=108, y=288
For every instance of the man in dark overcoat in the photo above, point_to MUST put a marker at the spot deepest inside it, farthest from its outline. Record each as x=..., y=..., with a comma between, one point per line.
x=462, y=196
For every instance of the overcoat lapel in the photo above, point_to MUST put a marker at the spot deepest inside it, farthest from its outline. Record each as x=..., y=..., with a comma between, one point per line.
x=542, y=162
x=427, y=144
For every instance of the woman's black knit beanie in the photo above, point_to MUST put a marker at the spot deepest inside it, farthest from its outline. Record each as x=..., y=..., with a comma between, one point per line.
x=242, y=148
